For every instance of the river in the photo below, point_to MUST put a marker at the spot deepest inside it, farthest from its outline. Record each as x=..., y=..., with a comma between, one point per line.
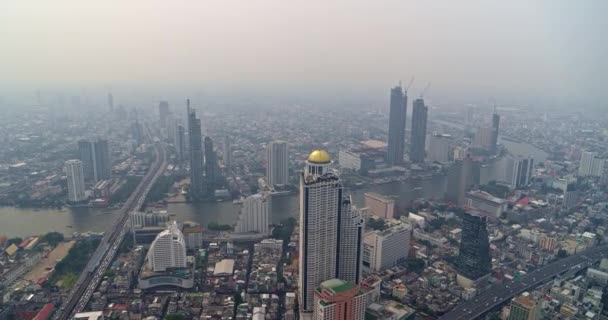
x=25, y=221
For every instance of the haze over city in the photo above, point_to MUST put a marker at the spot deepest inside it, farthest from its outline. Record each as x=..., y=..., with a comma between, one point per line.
x=317, y=160
x=516, y=52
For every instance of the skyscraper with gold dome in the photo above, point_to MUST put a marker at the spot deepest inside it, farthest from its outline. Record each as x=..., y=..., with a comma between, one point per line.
x=330, y=230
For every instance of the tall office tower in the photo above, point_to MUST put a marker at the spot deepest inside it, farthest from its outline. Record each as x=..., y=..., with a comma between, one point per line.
x=168, y=250
x=137, y=132
x=336, y=299
x=418, y=138
x=440, y=148
x=254, y=215
x=330, y=230
x=524, y=307
x=515, y=171
x=384, y=249
x=163, y=112
x=474, y=262
x=197, y=186
x=277, y=170
x=211, y=167
x=75, y=174
x=102, y=162
x=85, y=150
x=379, y=205
x=95, y=157
x=396, y=126
x=495, y=127
x=591, y=165
x=111, y=102
x=483, y=138
x=570, y=196
x=227, y=155
x=350, y=234
x=180, y=144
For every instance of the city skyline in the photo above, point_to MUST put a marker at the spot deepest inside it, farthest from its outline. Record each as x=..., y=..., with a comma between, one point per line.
x=267, y=160
x=467, y=59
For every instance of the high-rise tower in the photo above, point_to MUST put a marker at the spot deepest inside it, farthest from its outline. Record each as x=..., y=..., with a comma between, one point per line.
x=330, y=230
x=196, y=153
x=495, y=127
x=418, y=137
x=168, y=250
x=277, y=170
x=474, y=261
x=95, y=157
x=210, y=162
x=75, y=176
x=396, y=126
x=180, y=143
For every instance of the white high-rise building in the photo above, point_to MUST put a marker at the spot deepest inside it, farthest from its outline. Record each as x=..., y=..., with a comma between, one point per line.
x=591, y=165
x=384, y=249
x=75, y=174
x=514, y=171
x=168, y=250
x=254, y=216
x=330, y=230
x=277, y=171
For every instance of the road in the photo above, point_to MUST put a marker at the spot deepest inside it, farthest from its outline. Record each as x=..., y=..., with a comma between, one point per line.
x=498, y=294
x=103, y=256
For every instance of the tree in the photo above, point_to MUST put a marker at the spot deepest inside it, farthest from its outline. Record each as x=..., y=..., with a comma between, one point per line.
x=376, y=224
x=15, y=241
x=175, y=316
x=415, y=265
x=218, y=227
x=53, y=238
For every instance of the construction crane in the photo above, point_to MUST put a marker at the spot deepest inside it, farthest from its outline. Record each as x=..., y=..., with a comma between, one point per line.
x=423, y=91
x=410, y=84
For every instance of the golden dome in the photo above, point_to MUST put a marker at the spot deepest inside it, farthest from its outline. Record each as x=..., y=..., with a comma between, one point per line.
x=319, y=156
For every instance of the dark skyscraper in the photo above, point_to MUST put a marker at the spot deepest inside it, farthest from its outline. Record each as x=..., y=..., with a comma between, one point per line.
x=95, y=157
x=103, y=164
x=396, y=126
x=474, y=258
x=196, y=154
x=418, y=137
x=180, y=145
x=495, y=127
x=210, y=162
x=85, y=149
x=163, y=111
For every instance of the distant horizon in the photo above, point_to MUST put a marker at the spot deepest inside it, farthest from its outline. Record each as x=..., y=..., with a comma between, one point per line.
x=517, y=52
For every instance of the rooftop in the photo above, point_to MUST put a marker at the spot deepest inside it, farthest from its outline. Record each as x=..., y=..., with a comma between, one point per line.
x=337, y=285
x=319, y=156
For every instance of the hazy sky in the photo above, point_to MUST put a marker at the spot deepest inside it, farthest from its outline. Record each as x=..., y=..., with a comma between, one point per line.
x=487, y=48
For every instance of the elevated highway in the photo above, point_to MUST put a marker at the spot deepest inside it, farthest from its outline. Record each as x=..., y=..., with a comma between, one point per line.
x=105, y=252
x=498, y=294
